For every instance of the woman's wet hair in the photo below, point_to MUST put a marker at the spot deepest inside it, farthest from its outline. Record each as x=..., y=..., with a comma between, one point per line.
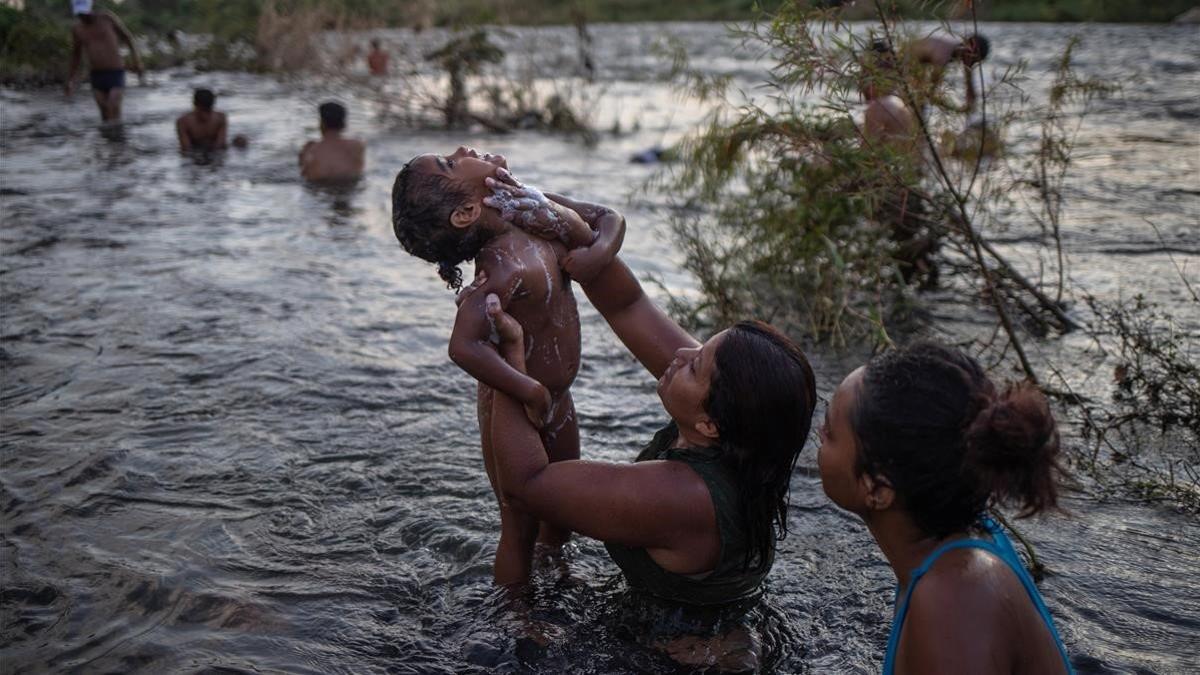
x=421, y=206
x=761, y=398
x=928, y=419
x=333, y=115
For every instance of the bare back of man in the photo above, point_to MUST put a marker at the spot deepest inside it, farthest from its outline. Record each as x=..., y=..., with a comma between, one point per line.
x=98, y=36
x=888, y=121
x=333, y=158
x=202, y=130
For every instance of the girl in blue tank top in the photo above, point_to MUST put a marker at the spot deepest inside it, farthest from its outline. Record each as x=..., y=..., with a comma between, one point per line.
x=920, y=443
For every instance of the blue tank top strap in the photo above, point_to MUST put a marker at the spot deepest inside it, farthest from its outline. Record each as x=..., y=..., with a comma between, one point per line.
x=999, y=546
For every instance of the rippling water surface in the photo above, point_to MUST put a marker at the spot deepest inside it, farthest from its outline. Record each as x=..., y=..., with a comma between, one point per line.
x=232, y=439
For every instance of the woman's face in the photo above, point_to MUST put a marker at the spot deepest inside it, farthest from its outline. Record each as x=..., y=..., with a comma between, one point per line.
x=684, y=388
x=838, y=455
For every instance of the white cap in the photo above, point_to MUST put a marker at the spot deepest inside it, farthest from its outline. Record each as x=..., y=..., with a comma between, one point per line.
x=81, y=6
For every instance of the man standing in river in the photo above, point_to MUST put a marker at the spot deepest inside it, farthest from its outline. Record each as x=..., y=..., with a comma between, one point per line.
x=334, y=157
x=98, y=35
x=377, y=59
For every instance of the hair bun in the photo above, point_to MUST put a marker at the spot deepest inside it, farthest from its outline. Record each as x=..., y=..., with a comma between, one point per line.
x=1012, y=445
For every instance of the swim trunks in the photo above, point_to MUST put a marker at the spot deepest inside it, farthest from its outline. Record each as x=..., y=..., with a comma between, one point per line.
x=106, y=80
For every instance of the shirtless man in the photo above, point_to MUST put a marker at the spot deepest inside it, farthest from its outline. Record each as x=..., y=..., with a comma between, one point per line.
x=203, y=128
x=97, y=35
x=377, y=59
x=333, y=158
x=927, y=59
x=887, y=120
x=888, y=123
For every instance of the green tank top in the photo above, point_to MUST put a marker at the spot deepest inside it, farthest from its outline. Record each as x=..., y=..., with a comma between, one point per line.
x=727, y=582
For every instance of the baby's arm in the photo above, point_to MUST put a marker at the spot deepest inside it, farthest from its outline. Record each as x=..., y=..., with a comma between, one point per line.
x=472, y=350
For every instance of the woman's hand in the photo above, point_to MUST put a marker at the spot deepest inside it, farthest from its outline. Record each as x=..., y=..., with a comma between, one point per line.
x=509, y=333
x=526, y=207
x=584, y=264
x=512, y=348
x=510, y=343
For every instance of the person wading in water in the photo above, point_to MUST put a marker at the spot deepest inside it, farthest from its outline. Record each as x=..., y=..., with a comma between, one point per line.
x=98, y=34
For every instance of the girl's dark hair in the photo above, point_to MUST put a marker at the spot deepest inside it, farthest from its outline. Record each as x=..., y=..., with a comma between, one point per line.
x=761, y=399
x=928, y=419
x=421, y=208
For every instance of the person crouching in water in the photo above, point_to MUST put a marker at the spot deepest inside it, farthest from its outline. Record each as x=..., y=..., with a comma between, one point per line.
x=919, y=443
x=333, y=158
x=203, y=128
x=444, y=211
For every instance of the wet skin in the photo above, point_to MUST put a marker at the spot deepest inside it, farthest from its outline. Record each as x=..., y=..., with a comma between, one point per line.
x=524, y=272
x=925, y=62
x=377, y=61
x=609, y=501
x=333, y=158
x=970, y=613
x=202, y=130
x=605, y=501
x=99, y=35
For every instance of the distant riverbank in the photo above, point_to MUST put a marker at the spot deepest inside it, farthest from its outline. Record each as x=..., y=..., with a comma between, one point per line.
x=34, y=40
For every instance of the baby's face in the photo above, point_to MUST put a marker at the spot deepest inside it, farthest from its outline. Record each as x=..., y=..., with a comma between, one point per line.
x=465, y=166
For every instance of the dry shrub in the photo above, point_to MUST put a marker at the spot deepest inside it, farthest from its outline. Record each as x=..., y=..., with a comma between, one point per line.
x=286, y=41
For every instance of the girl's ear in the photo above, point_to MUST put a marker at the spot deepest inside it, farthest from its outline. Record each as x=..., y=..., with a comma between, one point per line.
x=466, y=215
x=878, y=493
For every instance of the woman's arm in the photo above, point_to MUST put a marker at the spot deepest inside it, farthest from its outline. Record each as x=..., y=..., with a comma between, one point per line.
x=651, y=335
x=584, y=263
x=647, y=332
x=657, y=504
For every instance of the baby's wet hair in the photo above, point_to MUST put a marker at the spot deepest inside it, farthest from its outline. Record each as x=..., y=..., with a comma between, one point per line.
x=421, y=206
x=928, y=419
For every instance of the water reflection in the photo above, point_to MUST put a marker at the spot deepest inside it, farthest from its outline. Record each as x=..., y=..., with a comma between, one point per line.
x=338, y=198
x=210, y=158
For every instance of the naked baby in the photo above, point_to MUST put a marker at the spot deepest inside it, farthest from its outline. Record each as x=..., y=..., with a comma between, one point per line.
x=448, y=209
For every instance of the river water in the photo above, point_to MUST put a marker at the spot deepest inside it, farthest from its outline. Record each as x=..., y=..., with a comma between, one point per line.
x=233, y=442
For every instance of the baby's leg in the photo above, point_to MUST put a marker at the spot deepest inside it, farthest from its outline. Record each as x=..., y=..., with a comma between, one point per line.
x=514, y=552
x=483, y=412
x=561, y=437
